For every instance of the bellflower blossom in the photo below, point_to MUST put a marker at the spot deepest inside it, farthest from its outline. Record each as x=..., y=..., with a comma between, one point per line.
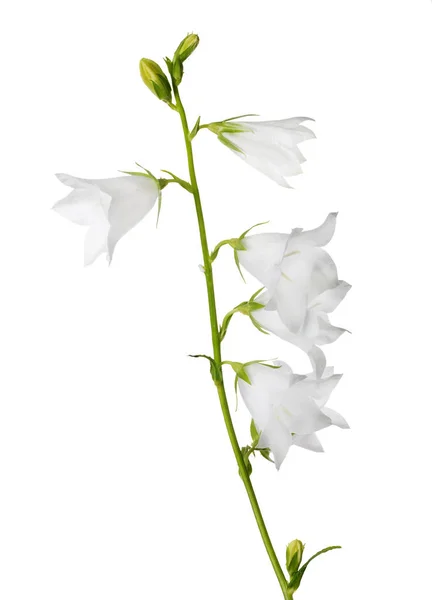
x=287, y=408
x=293, y=267
x=316, y=329
x=108, y=207
x=269, y=146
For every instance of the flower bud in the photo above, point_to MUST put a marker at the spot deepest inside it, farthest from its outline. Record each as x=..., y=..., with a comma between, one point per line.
x=186, y=47
x=155, y=79
x=294, y=555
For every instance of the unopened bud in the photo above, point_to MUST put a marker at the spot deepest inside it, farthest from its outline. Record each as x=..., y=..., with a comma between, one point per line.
x=155, y=79
x=294, y=555
x=186, y=47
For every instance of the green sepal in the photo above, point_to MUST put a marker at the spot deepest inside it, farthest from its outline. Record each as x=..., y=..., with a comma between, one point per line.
x=255, y=435
x=135, y=173
x=245, y=308
x=156, y=180
x=241, y=247
x=237, y=262
x=235, y=243
x=240, y=117
x=244, y=234
x=221, y=127
x=214, y=367
x=195, y=129
x=229, y=144
x=239, y=370
x=296, y=578
x=258, y=325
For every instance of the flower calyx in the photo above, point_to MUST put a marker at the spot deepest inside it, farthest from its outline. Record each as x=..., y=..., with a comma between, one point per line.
x=246, y=308
x=237, y=244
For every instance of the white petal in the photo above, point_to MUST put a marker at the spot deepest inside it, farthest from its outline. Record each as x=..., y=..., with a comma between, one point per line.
x=323, y=275
x=320, y=389
x=276, y=437
x=318, y=360
x=329, y=299
x=84, y=206
x=336, y=418
x=267, y=388
x=271, y=321
x=263, y=256
x=321, y=235
x=327, y=333
x=273, y=133
x=300, y=412
x=71, y=181
x=309, y=441
x=291, y=301
x=132, y=198
x=95, y=242
x=309, y=267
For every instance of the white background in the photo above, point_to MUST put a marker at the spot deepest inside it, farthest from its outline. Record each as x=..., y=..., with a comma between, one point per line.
x=117, y=479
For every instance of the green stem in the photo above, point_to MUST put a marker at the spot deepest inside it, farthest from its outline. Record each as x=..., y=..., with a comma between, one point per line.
x=218, y=356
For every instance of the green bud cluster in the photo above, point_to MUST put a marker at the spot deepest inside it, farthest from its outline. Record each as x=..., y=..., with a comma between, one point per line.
x=154, y=77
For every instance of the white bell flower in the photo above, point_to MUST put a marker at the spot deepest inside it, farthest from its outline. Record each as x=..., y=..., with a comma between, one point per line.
x=316, y=329
x=269, y=146
x=326, y=385
x=293, y=267
x=108, y=207
x=287, y=408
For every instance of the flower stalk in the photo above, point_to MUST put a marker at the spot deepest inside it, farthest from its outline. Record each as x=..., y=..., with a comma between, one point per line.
x=217, y=354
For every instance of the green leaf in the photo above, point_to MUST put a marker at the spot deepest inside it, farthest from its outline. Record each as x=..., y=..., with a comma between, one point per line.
x=195, y=129
x=295, y=581
x=246, y=451
x=214, y=367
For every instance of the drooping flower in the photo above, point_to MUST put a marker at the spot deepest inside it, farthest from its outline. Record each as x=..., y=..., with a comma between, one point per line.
x=108, y=207
x=294, y=268
x=269, y=146
x=286, y=408
x=326, y=385
x=316, y=329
